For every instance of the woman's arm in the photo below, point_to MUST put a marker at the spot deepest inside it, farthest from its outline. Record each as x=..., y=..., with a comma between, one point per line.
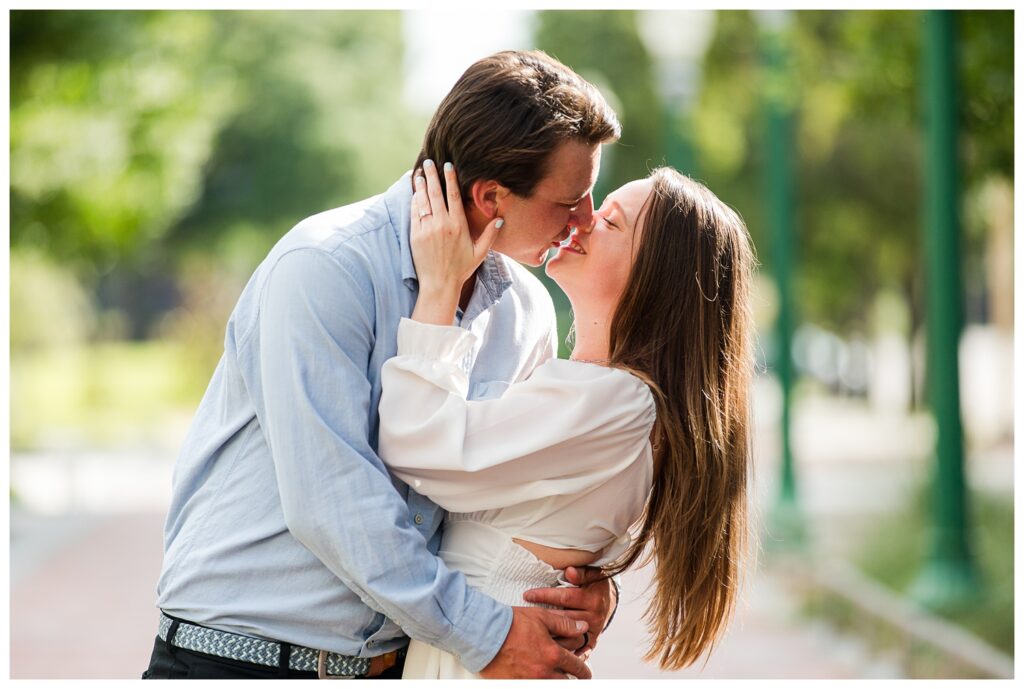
x=565, y=429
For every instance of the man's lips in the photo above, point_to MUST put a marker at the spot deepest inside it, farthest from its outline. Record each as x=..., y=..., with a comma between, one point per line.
x=557, y=243
x=562, y=236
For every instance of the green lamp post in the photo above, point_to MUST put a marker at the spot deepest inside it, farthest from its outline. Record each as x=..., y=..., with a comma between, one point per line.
x=949, y=576
x=786, y=521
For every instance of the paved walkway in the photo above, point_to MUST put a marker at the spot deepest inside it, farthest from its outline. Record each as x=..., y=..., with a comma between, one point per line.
x=768, y=639
x=84, y=606
x=86, y=597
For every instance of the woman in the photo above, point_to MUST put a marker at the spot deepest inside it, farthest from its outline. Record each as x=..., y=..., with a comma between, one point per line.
x=645, y=426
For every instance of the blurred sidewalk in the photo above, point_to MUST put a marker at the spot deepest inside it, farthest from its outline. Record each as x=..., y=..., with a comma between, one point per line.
x=767, y=639
x=83, y=593
x=84, y=588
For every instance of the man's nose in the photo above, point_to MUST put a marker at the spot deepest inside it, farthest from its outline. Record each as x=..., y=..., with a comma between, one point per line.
x=583, y=217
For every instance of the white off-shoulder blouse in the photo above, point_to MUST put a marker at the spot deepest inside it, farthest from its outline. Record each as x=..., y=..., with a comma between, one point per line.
x=562, y=459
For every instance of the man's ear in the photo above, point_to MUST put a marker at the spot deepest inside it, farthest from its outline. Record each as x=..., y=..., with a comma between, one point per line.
x=485, y=196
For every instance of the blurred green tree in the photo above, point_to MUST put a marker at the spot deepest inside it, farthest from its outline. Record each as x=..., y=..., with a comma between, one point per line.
x=859, y=146
x=315, y=127
x=113, y=115
x=147, y=143
x=855, y=85
x=605, y=47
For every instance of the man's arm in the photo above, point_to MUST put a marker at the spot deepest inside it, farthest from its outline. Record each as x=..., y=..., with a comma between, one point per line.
x=315, y=338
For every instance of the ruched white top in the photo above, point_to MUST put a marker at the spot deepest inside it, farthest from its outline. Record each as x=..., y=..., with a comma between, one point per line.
x=562, y=459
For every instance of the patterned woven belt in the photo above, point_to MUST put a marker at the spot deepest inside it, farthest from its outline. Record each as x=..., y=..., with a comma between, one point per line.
x=193, y=637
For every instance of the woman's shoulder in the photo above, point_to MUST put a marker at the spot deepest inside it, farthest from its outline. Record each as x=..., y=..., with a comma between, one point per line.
x=609, y=385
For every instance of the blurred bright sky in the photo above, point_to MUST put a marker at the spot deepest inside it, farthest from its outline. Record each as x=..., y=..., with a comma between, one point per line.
x=441, y=44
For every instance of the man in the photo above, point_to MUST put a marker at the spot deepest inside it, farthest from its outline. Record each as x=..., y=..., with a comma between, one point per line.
x=290, y=551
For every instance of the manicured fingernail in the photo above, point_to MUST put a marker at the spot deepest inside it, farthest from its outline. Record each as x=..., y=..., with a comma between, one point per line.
x=497, y=225
x=447, y=167
x=420, y=180
x=580, y=625
x=428, y=163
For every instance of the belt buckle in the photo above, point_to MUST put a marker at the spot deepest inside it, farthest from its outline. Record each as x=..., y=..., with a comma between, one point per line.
x=321, y=668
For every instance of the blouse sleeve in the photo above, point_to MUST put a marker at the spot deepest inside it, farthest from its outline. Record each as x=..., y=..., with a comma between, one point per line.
x=564, y=430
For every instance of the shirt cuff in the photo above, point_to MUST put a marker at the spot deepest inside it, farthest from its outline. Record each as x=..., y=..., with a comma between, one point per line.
x=480, y=634
x=445, y=343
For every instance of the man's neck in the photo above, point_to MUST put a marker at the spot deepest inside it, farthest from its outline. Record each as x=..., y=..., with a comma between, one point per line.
x=467, y=292
x=475, y=230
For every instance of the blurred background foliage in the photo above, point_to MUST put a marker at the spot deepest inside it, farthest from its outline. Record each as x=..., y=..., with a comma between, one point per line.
x=157, y=155
x=155, y=158
x=859, y=138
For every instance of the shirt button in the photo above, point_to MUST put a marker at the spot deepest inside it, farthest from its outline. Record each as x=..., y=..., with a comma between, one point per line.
x=418, y=519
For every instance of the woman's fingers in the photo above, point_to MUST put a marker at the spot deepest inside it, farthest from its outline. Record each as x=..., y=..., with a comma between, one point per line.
x=434, y=188
x=451, y=181
x=420, y=200
x=414, y=211
x=573, y=665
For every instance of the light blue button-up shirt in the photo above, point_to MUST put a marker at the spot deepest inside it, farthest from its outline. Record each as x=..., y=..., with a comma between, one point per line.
x=284, y=524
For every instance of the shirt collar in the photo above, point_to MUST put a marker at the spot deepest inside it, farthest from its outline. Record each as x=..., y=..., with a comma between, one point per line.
x=494, y=275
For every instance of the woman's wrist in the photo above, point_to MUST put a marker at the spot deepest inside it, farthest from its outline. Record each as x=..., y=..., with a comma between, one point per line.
x=436, y=304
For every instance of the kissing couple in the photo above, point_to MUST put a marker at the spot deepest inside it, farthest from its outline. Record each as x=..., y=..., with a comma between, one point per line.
x=392, y=475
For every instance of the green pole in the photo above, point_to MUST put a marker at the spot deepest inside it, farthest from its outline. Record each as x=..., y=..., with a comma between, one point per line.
x=786, y=519
x=949, y=577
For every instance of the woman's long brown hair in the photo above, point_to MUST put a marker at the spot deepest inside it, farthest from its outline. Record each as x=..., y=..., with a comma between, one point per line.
x=683, y=324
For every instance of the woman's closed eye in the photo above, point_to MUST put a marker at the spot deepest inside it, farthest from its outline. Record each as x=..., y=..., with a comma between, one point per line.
x=606, y=216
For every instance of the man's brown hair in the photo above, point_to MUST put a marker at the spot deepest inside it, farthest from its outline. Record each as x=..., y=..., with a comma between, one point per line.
x=507, y=113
